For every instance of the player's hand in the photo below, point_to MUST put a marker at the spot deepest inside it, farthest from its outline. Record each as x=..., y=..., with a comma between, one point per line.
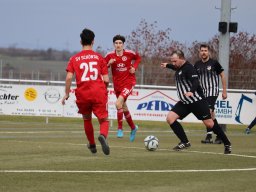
x=163, y=65
x=224, y=95
x=64, y=99
x=189, y=94
x=111, y=61
x=132, y=70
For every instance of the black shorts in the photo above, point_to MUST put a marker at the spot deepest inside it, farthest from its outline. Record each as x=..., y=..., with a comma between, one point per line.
x=200, y=109
x=211, y=102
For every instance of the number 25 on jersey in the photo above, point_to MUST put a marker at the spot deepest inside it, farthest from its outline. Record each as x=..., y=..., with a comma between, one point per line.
x=89, y=68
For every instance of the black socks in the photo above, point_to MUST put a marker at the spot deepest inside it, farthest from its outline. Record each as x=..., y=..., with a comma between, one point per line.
x=179, y=131
x=220, y=133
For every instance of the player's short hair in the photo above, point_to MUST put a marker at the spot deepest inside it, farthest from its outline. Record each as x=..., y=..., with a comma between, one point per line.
x=119, y=37
x=87, y=36
x=204, y=46
x=179, y=53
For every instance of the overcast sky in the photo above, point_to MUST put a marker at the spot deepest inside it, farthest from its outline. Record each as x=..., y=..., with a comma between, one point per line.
x=43, y=24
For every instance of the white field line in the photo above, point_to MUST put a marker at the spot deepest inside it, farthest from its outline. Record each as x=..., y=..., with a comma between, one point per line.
x=142, y=148
x=128, y=171
x=46, y=132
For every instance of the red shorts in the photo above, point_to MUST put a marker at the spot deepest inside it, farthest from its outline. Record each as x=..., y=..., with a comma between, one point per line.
x=94, y=100
x=100, y=110
x=125, y=91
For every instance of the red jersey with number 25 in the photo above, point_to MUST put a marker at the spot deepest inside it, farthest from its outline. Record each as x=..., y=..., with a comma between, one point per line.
x=120, y=68
x=88, y=67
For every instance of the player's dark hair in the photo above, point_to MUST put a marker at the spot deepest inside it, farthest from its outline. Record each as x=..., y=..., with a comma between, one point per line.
x=119, y=37
x=87, y=36
x=204, y=46
x=179, y=53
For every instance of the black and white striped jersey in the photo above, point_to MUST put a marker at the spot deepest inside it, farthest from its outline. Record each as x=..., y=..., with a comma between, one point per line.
x=208, y=73
x=187, y=81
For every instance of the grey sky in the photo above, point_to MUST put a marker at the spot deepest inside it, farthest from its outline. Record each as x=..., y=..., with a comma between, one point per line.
x=43, y=24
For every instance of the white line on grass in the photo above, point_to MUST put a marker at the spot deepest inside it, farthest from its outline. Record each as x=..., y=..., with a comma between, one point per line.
x=142, y=148
x=69, y=131
x=237, y=155
x=189, y=151
x=128, y=171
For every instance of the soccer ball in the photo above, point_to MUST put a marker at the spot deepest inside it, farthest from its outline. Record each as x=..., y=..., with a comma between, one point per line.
x=151, y=143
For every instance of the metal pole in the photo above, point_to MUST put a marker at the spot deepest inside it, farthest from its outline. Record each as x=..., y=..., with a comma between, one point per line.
x=224, y=42
x=1, y=69
x=142, y=75
x=224, y=39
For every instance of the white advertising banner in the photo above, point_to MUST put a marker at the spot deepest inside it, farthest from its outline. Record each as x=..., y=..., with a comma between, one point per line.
x=144, y=104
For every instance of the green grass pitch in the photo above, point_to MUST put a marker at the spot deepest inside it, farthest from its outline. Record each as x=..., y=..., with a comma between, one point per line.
x=45, y=157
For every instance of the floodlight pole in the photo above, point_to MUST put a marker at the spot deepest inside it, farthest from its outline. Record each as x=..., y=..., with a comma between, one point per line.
x=224, y=42
x=224, y=38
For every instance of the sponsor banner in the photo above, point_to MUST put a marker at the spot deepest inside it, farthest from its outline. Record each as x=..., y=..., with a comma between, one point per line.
x=238, y=108
x=143, y=104
x=35, y=100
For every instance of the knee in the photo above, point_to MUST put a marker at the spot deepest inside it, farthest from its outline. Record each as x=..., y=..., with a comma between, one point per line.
x=170, y=120
x=209, y=124
x=87, y=117
x=119, y=105
x=102, y=120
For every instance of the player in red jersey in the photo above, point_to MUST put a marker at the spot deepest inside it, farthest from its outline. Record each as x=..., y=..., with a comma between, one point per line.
x=92, y=79
x=123, y=65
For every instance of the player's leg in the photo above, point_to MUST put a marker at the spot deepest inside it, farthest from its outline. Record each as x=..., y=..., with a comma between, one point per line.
x=126, y=91
x=120, y=114
x=86, y=111
x=128, y=116
x=104, y=127
x=248, y=129
x=201, y=111
x=220, y=133
x=130, y=122
x=179, y=111
x=217, y=139
x=101, y=112
x=89, y=132
x=211, y=103
x=208, y=138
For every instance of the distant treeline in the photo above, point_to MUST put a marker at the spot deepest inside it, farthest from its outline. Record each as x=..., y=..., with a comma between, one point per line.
x=49, y=54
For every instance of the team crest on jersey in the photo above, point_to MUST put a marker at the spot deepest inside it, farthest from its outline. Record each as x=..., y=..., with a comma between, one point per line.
x=124, y=58
x=209, y=68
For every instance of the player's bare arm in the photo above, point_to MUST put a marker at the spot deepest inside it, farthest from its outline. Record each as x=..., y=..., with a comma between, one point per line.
x=111, y=61
x=106, y=79
x=224, y=85
x=67, y=88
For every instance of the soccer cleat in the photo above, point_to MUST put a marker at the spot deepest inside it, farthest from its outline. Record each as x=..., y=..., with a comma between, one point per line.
x=104, y=145
x=217, y=140
x=208, y=139
x=247, y=131
x=133, y=133
x=227, y=149
x=120, y=133
x=92, y=148
x=182, y=146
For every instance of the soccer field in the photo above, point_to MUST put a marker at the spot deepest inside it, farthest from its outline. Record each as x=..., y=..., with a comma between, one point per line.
x=35, y=156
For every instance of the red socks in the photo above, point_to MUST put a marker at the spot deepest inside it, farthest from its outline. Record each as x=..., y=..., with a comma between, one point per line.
x=89, y=132
x=104, y=127
x=129, y=120
x=120, y=114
